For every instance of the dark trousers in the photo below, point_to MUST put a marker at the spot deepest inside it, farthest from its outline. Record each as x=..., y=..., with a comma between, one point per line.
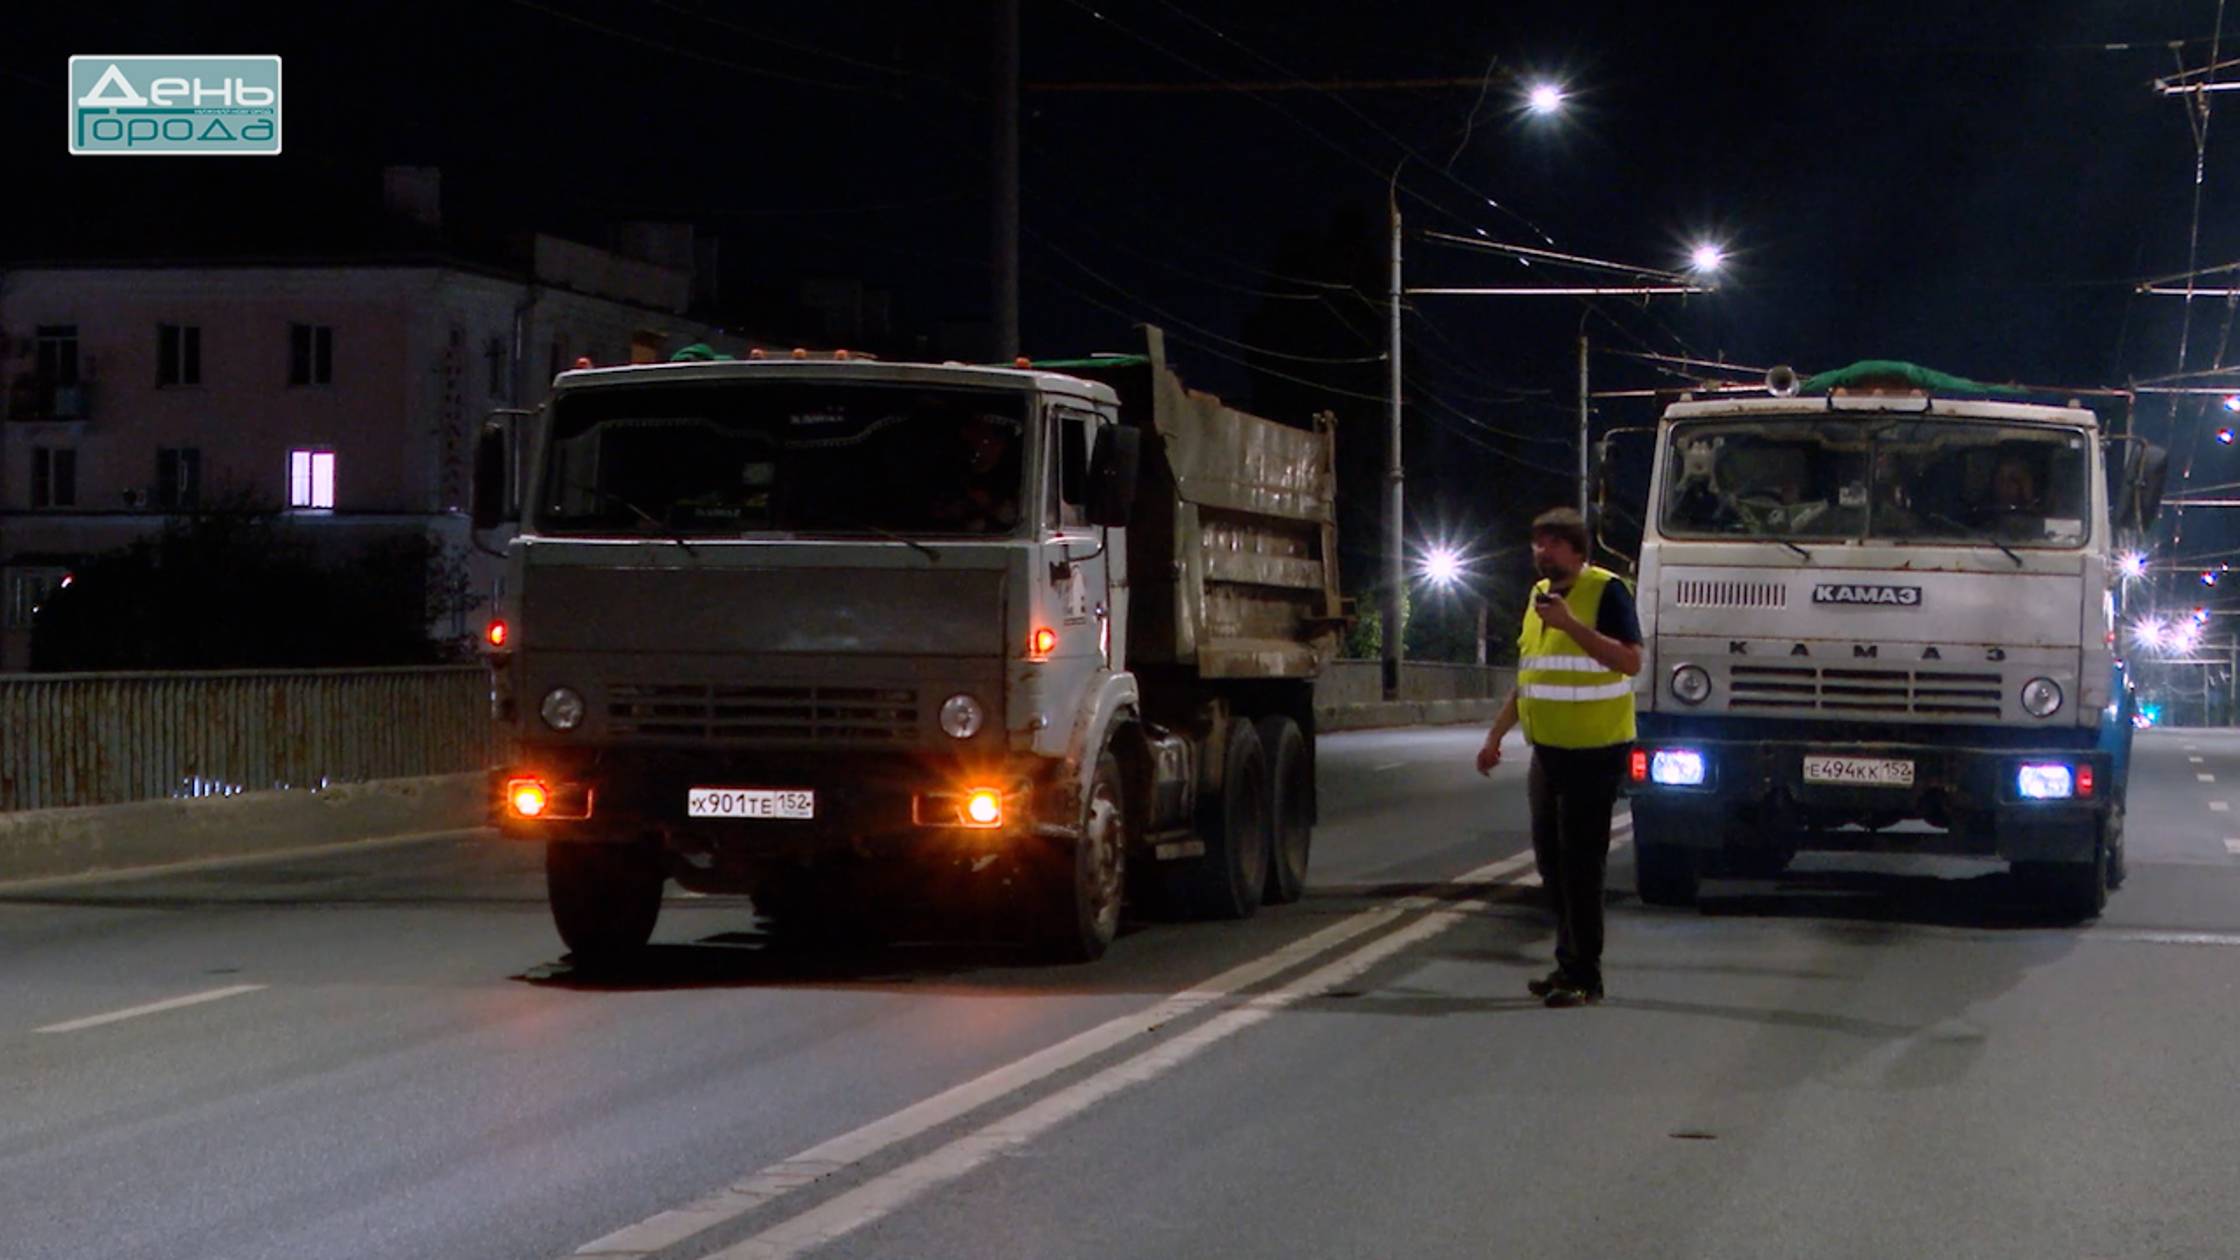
x=1573, y=791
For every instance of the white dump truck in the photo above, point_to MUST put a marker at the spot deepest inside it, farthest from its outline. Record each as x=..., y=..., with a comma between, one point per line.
x=1882, y=597
x=852, y=636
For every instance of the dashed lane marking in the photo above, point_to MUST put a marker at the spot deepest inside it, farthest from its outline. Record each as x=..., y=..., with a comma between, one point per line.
x=151, y=1008
x=2220, y=806
x=2206, y=778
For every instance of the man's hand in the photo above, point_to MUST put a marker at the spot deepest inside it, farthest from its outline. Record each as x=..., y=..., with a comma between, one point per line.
x=1489, y=754
x=1558, y=615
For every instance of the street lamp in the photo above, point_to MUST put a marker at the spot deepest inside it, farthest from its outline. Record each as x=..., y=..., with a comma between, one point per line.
x=1706, y=258
x=1544, y=98
x=1443, y=567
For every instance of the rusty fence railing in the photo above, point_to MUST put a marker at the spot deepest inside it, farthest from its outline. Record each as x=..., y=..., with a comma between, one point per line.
x=105, y=739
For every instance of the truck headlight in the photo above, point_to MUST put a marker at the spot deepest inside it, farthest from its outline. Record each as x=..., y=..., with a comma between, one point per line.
x=1691, y=684
x=962, y=717
x=562, y=709
x=2041, y=697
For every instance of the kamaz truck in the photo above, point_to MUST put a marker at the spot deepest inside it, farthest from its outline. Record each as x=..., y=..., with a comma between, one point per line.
x=1881, y=613
x=855, y=637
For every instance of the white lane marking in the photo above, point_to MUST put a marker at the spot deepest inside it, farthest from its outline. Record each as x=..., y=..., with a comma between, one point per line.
x=883, y=1195
x=2220, y=806
x=2194, y=760
x=2232, y=845
x=667, y=1229
x=2193, y=748
x=2169, y=938
x=151, y=1008
x=1390, y=765
x=2206, y=778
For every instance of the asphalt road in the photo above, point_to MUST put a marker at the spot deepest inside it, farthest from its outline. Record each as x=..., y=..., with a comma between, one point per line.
x=383, y=1054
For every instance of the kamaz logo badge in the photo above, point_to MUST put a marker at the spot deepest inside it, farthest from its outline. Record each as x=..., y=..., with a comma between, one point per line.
x=1845, y=593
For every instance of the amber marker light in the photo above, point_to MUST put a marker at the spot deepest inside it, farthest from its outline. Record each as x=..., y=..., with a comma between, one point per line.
x=528, y=797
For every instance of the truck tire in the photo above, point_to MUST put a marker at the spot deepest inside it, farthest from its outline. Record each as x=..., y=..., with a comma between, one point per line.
x=1078, y=901
x=1290, y=809
x=1663, y=874
x=605, y=899
x=1227, y=880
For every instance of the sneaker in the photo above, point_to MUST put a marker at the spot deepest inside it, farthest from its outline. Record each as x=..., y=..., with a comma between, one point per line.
x=1545, y=985
x=1567, y=995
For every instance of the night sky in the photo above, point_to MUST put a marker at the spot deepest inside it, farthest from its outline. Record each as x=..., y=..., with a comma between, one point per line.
x=1974, y=187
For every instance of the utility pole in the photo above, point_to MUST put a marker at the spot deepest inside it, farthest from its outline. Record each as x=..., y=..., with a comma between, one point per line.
x=1583, y=435
x=1395, y=569
x=1006, y=173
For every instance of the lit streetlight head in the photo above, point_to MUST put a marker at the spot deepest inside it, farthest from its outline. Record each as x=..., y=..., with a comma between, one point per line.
x=2133, y=565
x=1443, y=567
x=1707, y=257
x=1544, y=99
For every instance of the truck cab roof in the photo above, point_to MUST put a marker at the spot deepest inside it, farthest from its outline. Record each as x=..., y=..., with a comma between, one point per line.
x=953, y=374
x=1892, y=404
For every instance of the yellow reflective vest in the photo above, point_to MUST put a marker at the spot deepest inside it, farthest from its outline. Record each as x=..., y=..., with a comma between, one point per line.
x=1566, y=698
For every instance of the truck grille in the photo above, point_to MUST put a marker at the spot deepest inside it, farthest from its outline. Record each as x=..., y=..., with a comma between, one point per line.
x=864, y=715
x=1697, y=593
x=1927, y=693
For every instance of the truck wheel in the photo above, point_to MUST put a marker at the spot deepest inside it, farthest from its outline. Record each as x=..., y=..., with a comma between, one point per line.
x=1227, y=880
x=1080, y=899
x=605, y=898
x=1663, y=874
x=1290, y=805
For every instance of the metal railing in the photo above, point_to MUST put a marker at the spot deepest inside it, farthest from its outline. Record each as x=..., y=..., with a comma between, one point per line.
x=105, y=739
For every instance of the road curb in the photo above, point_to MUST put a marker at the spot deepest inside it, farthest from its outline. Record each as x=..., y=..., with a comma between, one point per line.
x=1361, y=717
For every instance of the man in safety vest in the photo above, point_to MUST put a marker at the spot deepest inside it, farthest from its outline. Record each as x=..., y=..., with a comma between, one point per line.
x=1580, y=649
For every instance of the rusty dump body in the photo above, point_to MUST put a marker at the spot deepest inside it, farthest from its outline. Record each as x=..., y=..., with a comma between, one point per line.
x=1233, y=554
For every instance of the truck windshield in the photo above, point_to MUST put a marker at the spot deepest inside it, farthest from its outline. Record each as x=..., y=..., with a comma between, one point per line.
x=1918, y=481
x=820, y=457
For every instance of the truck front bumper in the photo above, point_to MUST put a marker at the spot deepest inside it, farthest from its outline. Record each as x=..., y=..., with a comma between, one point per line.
x=1991, y=801
x=870, y=805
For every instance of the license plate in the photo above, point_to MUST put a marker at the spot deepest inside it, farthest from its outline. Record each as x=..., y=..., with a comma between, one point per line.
x=780, y=803
x=1859, y=771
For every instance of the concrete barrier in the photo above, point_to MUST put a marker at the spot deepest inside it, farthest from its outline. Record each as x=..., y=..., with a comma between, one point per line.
x=1362, y=717
x=46, y=844
x=39, y=844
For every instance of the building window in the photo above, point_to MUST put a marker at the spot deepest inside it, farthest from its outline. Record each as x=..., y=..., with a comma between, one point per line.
x=54, y=477
x=178, y=354
x=178, y=477
x=310, y=354
x=494, y=353
x=58, y=354
x=311, y=479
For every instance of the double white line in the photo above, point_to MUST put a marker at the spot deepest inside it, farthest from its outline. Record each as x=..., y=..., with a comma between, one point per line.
x=882, y=1195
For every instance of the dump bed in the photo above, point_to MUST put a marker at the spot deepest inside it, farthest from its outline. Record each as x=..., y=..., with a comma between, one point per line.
x=1232, y=555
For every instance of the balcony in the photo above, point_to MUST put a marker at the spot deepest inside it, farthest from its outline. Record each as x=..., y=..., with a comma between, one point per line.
x=37, y=399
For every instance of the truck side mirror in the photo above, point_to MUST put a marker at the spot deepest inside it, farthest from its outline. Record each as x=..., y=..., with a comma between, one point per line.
x=1113, y=468
x=2154, y=476
x=493, y=480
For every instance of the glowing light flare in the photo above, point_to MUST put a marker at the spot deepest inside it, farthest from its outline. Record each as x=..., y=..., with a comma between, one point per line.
x=1044, y=642
x=1443, y=566
x=2232, y=402
x=528, y=797
x=2150, y=632
x=2133, y=565
x=1707, y=257
x=983, y=807
x=2224, y=437
x=1545, y=98
x=2208, y=577
x=496, y=634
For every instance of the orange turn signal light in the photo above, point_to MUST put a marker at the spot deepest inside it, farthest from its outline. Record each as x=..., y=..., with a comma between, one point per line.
x=983, y=807
x=527, y=797
x=496, y=634
x=1045, y=641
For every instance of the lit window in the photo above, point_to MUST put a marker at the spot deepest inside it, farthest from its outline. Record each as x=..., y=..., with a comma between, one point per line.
x=311, y=479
